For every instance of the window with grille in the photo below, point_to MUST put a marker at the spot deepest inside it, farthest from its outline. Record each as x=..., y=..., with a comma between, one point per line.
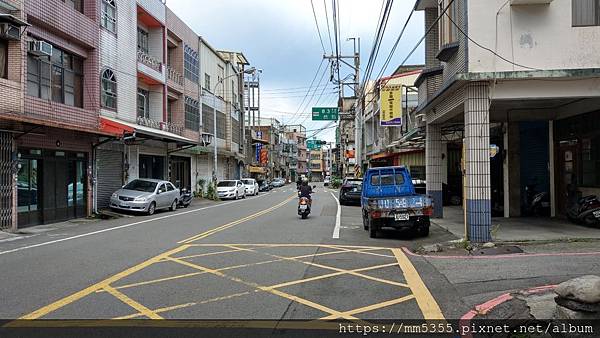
x=191, y=64
x=58, y=77
x=109, y=89
x=221, y=125
x=586, y=13
x=447, y=28
x=109, y=15
x=143, y=103
x=192, y=114
x=207, y=82
x=142, y=40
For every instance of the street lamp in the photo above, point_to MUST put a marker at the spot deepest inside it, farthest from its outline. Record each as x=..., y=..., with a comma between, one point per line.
x=251, y=70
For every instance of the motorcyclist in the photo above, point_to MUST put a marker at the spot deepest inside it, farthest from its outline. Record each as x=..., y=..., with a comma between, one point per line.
x=299, y=183
x=305, y=191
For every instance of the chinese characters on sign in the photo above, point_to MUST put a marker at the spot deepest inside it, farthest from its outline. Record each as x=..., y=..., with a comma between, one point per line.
x=391, y=105
x=325, y=114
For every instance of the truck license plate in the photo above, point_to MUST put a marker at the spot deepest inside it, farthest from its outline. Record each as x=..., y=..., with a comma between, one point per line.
x=401, y=217
x=597, y=214
x=303, y=207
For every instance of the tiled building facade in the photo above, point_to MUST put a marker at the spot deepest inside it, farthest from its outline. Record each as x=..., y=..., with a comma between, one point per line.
x=96, y=93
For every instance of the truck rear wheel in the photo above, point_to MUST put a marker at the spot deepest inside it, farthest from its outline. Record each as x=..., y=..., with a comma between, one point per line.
x=372, y=228
x=365, y=220
x=423, y=228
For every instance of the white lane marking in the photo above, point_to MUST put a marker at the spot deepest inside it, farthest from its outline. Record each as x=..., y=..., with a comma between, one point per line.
x=122, y=226
x=338, y=218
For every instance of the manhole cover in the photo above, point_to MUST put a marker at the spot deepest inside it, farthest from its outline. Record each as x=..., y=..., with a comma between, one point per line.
x=501, y=250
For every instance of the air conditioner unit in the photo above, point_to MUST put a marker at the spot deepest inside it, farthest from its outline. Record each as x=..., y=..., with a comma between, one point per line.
x=40, y=48
x=10, y=31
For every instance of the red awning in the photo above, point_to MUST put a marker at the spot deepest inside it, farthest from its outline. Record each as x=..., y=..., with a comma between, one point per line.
x=114, y=128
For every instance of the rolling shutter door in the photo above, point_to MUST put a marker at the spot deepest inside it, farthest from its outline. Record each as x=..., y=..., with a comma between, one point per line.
x=110, y=173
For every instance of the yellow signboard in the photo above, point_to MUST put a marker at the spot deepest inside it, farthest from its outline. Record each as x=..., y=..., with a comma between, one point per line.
x=391, y=105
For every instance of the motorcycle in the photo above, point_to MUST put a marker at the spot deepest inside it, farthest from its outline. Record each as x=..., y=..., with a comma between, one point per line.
x=536, y=203
x=586, y=211
x=304, y=205
x=185, y=198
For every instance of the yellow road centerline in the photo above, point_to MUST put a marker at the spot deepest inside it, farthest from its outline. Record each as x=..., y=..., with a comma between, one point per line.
x=429, y=307
x=100, y=285
x=234, y=223
x=135, y=305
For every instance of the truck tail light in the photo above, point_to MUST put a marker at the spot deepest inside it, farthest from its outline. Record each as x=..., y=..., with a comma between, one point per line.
x=375, y=214
x=428, y=211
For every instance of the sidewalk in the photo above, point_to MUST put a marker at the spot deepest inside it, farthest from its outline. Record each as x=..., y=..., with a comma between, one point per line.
x=74, y=223
x=520, y=229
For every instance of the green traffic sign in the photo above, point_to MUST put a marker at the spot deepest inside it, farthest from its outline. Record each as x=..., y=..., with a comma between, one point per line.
x=325, y=113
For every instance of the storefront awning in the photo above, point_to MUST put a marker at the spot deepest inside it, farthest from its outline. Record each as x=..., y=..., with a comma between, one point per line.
x=119, y=128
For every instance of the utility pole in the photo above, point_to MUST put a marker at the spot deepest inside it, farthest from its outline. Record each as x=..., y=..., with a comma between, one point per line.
x=354, y=85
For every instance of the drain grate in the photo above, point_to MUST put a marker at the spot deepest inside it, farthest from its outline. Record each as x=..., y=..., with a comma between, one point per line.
x=501, y=250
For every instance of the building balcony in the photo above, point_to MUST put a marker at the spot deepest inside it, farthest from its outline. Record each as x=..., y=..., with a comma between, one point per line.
x=151, y=69
x=171, y=127
x=174, y=79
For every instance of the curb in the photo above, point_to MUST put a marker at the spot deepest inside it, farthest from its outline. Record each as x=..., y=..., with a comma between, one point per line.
x=488, y=306
x=516, y=255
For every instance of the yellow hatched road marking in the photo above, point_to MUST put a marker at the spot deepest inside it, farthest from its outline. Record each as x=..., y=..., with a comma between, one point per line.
x=372, y=307
x=386, y=281
x=429, y=307
x=135, y=305
x=264, y=288
x=154, y=281
x=91, y=289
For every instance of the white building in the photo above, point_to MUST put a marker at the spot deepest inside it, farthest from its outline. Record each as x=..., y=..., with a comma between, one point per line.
x=522, y=75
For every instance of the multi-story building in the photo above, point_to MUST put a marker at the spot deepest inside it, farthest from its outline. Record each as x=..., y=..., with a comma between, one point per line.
x=269, y=130
x=316, y=165
x=521, y=76
x=153, y=125
x=93, y=99
x=49, y=108
x=298, y=134
x=386, y=145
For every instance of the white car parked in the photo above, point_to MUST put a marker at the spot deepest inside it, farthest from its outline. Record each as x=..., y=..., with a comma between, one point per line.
x=233, y=189
x=251, y=186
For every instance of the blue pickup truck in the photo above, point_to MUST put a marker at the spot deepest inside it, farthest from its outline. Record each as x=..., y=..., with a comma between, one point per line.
x=389, y=201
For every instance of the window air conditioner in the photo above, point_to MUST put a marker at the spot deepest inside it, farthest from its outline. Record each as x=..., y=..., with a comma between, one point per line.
x=40, y=48
x=10, y=31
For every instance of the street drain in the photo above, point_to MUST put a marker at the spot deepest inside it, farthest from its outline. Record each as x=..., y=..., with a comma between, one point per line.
x=501, y=250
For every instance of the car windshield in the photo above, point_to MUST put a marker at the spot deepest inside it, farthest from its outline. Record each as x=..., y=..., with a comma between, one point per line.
x=141, y=185
x=248, y=182
x=226, y=184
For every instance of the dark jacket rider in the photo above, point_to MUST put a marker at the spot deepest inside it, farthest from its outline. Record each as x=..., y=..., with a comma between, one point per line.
x=305, y=190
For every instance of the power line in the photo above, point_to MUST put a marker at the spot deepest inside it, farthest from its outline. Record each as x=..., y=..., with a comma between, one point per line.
x=311, y=90
x=317, y=24
x=311, y=84
x=379, y=34
x=312, y=96
x=484, y=47
x=389, y=58
x=328, y=30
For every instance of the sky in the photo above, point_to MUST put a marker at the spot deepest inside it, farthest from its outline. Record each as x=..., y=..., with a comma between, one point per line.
x=280, y=37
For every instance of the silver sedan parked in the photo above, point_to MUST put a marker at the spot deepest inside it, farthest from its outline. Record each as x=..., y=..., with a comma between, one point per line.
x=145, y=195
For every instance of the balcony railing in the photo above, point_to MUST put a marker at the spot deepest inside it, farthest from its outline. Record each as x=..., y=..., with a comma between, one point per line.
x=149, y=61
x=174, y=76
x=171, y=127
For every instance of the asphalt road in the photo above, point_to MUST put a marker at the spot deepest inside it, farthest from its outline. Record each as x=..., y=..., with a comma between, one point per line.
x=254, y=259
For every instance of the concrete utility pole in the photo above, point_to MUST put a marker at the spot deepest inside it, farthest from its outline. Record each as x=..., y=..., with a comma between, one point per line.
x=355, y=85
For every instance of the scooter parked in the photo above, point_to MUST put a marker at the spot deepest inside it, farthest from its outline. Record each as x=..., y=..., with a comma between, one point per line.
x=185, y=198
x=586, y=211
x=536, y=203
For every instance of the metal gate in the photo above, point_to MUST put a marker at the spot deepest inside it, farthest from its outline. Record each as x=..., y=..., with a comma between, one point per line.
x=6, y=188
x=109, y=175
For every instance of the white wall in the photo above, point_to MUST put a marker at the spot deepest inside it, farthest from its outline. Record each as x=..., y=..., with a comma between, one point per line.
x=540, y=36
x=122, y=60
